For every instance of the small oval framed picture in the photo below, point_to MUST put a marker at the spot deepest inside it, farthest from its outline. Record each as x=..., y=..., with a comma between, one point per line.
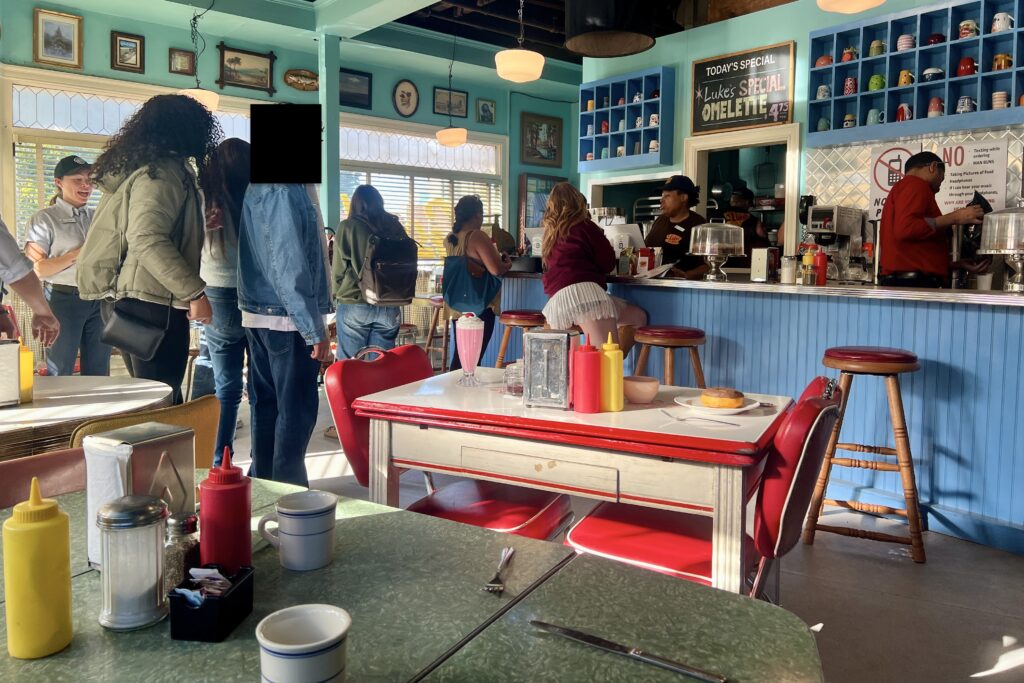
x=406, y=98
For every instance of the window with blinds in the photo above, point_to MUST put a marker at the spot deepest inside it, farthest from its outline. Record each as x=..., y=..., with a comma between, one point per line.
x=34, y=162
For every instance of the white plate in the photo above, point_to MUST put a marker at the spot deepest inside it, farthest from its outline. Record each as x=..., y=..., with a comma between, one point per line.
x=698, y=407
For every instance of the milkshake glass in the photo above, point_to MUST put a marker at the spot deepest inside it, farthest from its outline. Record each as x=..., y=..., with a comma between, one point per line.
x=469, y=337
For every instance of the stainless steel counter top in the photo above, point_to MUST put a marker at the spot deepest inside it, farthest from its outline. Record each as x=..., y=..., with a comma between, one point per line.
x=739, y=283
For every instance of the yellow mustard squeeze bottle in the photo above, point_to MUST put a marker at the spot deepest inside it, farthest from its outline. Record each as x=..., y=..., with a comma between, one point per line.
x=27, y=363
x=37, y=577
x=612, y=397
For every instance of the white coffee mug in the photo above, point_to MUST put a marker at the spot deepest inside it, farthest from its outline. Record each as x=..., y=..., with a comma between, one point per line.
x=304, y=644
x=655, y=119
x=305, y=529
x=1001, y=22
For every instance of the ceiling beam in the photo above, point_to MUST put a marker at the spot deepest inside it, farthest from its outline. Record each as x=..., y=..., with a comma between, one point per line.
x=500, y=32
x=728, y=9
x=349, y=18
x=504, y=17
x=293, y=13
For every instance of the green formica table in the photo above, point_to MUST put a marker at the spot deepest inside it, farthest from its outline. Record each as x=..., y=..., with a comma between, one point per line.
x=713, y=630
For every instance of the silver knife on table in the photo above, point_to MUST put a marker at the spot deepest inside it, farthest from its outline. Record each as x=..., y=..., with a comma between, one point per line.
x=631, y=652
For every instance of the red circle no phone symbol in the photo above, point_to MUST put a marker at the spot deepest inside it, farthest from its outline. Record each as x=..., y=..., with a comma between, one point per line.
x=888, y=168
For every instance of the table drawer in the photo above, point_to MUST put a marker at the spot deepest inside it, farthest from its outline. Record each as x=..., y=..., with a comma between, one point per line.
x=682, y=485
x=566, y=475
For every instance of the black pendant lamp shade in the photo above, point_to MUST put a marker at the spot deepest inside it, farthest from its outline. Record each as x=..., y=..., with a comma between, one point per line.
x=608, y=28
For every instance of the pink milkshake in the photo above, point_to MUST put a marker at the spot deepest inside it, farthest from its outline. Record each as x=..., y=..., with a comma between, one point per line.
x=469, y=337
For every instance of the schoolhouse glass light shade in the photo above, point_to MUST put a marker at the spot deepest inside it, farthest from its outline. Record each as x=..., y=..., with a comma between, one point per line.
x=452, y=137
x=519, y=65
x=207, y=98
x=848, y=6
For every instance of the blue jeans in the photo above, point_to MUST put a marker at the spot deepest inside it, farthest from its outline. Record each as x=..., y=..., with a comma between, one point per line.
x=283, y=404
x=362, y=325
x=228, y=346
x=80, y=328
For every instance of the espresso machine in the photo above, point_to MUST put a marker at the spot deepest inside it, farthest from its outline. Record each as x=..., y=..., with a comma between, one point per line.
x=839, y=232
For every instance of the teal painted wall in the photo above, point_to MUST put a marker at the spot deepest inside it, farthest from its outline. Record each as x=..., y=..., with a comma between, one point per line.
x=793, y=21
x=387, y=67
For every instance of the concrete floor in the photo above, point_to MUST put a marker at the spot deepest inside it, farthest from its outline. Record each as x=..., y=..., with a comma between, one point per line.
x=878, y=616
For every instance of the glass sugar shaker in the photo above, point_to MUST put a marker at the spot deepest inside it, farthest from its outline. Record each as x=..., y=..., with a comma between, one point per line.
x=181, y=549
x=132, y=552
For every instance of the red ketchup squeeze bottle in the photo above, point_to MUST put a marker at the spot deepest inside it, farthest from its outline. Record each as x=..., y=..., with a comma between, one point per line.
x=225, y=501
x=586, y=387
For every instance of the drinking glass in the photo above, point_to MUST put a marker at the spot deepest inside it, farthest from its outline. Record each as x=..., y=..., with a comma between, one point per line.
x=514, y=379
x=469, y=337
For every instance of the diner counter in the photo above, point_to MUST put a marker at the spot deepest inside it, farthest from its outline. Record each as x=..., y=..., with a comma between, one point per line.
x=962, y=407
x=742, y=283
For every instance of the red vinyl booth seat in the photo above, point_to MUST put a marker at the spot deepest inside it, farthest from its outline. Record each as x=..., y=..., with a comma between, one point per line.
x=499, y=507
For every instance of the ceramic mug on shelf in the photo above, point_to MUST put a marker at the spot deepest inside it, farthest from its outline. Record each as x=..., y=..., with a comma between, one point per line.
x=590, y=129
x=933, y=73
x=590, y=156
x=637, y=97
x=849, y=54
x=622, y=101
x=824, y=92
x=653, y=146
x=968, y=28
x=1000, y=99
x=876, y=82
x=850, y=85
x=906, y=42
x=1002, y=21
x=637, y=147
x=622, y=125
x=639, y=122
x=904, y=112
x=875, y=116
x=877, y=48
x=1020, y=101
x=965, y=105
x=967, y=67
x=604, y=153
x=305, y=529
x=604, y=102
x=849, y=121
x=604, y=127
x=590, y=105
x=655, y=120
x=1002, y=61
x=823, y=123
x=936, y=38
x=620, y=151
x=824, y=60
x=906, y=77
x=936, y=107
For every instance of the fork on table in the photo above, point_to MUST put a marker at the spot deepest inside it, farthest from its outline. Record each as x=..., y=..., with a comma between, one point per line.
x=700, y=419
x=497, y=584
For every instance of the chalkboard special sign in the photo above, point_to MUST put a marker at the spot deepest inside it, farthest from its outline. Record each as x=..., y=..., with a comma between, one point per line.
x=743, y=90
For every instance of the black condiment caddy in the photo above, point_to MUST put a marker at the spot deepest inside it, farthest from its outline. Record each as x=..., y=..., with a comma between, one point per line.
x=218, y=616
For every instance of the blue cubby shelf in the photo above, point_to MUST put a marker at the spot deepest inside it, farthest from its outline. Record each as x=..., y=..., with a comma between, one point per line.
x=644, y=83
x=943, y=18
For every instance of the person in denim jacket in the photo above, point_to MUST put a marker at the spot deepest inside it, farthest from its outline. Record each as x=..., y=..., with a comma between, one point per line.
x=283, y=294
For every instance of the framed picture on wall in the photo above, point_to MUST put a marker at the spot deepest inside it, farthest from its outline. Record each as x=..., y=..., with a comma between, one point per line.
x=540, y=140
x=355, y=89
x=181, y=62
x=533, y=198
x=451, y=102
x=246, y=69
x=127, y=52
x=405, y=98
x=486, y=110
x=57, y=38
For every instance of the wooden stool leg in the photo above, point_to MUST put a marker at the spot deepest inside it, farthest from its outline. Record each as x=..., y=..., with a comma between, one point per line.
x=818, y=498
x=434, y=320
x=698, y=369
x=670, y=366
x=444, y=345
x=906, y=462
x=505, y=336
x=641, y=361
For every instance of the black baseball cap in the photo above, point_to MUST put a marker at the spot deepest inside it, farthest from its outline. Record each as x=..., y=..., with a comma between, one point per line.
x=681, y=183
x=70, y=165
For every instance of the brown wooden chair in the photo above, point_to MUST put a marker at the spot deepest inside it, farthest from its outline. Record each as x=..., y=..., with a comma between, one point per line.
x=669, y=338
x=888, y=363
x=59, y=472
x=523, y=320
x=436, y=323
x=201, y=415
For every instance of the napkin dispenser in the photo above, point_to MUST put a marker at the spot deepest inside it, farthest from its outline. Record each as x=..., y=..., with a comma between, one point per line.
x=764, y=265
x=151, y=459
x=546, y=369
x=10, y=372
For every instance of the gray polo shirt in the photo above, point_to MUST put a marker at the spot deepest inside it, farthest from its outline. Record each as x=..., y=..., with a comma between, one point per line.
x=14, y=265
x=58, y=229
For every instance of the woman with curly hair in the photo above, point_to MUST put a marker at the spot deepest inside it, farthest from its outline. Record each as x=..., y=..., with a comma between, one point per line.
x=577, y=259
x=142, y=254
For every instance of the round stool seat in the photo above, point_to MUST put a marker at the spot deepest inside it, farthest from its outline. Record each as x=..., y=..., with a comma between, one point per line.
x=437, y=301
x=870, y=360
x=407, y=326
x=522, y=318
x=669, y=335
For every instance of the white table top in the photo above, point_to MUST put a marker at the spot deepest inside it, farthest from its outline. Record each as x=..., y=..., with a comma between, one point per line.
x=69, y=399
x=441, y=396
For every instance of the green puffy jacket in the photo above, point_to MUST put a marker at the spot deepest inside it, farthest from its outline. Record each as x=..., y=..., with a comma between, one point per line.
x=155, y=226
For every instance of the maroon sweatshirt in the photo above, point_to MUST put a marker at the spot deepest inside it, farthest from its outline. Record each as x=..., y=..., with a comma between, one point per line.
x=583, y=255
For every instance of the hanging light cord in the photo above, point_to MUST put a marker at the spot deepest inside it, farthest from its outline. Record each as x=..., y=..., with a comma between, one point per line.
x=197, y=37
x=522, y=28
x=451, y=64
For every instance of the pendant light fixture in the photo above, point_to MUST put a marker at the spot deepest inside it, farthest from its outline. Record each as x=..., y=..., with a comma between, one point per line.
x=848, y=6
x=519, y=65
x=608, y=28
x=451, y=136
x=207, y=98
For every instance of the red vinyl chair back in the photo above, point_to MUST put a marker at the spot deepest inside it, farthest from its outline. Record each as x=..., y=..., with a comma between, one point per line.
x=792, y=469
x=59, y=472
x=347, y=380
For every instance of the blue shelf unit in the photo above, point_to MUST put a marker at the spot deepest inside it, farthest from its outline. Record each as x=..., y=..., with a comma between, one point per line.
x=921, y=23
x=622, y=129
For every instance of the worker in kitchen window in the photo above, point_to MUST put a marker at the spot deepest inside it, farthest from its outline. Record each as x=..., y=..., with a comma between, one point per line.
x=754, y=234
x=671, y=231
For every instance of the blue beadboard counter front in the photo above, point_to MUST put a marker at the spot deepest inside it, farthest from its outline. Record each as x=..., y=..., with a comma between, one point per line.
x=963, y=407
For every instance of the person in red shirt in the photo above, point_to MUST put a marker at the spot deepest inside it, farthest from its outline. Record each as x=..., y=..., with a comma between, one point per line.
x=577, y=258
x=915, y=234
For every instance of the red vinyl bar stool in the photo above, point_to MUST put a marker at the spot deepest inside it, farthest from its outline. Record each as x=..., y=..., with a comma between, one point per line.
x=437, y=303
x=522, y=319
x=669, y=338
x=887, y=363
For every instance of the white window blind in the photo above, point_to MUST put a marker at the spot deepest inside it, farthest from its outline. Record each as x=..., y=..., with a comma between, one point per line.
x=34, y=162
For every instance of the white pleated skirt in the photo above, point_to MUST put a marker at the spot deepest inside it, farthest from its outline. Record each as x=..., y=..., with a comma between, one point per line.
x=581, y=302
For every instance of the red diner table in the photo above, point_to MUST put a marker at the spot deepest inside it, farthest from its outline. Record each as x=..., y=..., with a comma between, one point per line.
x=644, y=455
